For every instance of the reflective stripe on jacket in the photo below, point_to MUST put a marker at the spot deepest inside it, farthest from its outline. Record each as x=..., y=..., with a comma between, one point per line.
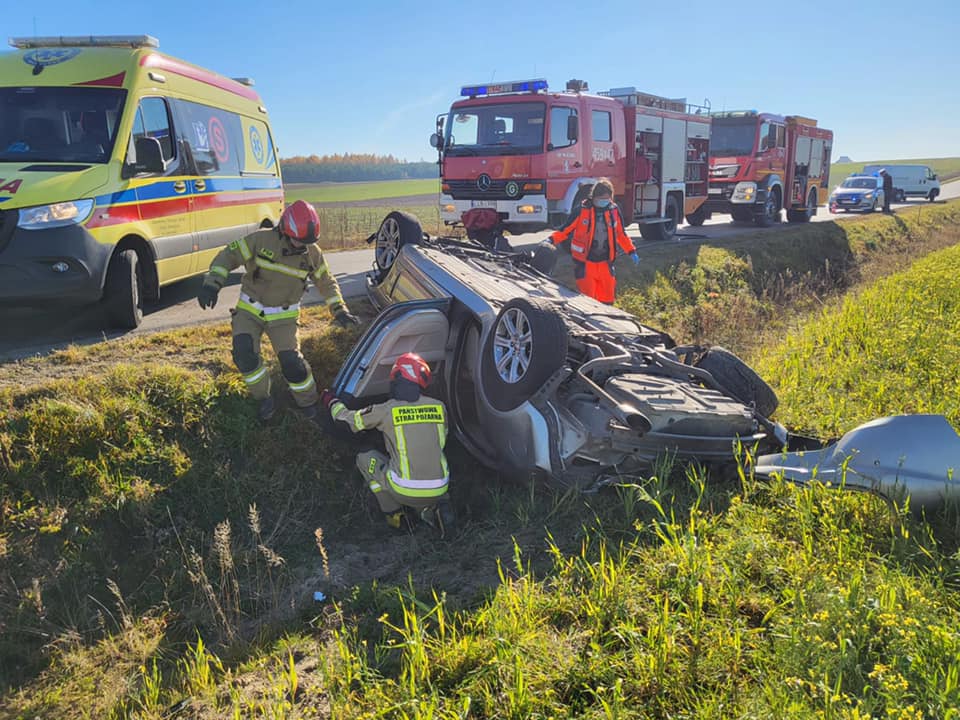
x=580, y=232
x=415, y=434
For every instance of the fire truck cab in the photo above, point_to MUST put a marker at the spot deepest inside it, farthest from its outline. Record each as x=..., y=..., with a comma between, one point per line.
x=534, y=155
x=762, y=163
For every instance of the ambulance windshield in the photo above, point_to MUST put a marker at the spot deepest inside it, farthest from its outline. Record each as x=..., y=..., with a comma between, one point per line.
x=495, y=129
x=59, y=124
x=730, y=137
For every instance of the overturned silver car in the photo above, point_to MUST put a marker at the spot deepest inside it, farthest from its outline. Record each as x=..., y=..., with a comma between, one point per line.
x=540, y=379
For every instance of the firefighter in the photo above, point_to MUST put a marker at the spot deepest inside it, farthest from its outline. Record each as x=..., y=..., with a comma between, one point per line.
x=594, y=234
x=413, y=474
x=279, y=263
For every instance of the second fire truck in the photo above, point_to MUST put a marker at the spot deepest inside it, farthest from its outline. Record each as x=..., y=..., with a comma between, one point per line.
x=534, y=155
x=761, y=164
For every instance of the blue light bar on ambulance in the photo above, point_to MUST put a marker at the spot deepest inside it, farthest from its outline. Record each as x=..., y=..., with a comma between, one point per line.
x=503, y=88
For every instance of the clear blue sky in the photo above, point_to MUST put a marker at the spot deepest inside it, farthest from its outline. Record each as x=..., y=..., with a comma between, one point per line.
x=371, y=75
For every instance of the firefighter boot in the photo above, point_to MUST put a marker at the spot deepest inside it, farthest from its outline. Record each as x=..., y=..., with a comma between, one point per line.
x=440, y=517
x=311, y=413
x=397, y=520
x=267, y=408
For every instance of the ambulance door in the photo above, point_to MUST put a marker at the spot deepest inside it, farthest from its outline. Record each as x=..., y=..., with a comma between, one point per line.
x=220, y=206
x=163, y=197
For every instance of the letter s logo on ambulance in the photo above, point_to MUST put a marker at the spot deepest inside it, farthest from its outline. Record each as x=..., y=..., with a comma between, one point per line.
x=10, y=187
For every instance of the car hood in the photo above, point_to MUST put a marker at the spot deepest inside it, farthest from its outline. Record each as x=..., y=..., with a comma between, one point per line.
x=26, y=185
x=915, y=455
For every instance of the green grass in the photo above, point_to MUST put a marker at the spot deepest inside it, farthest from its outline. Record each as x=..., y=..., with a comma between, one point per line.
x=945, y=168
x=352, y=192
x=348, y=227
x=159, y=549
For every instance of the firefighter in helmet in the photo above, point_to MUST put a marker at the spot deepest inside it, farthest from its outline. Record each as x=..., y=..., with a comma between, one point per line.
x=413, y=474
x=594, y=233
x=279, y=263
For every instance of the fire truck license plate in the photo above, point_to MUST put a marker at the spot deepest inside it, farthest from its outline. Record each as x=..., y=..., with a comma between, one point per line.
x=715, y=191
x=483, y=203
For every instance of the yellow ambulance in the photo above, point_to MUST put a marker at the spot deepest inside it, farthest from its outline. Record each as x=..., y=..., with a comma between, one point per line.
x=123, y=170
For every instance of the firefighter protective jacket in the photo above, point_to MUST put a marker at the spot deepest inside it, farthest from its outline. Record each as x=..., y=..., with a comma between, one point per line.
x=414, y=433
x=580, y=232
x=276, y=273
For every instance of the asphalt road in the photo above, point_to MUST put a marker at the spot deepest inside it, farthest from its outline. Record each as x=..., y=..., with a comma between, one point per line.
x=30, y=332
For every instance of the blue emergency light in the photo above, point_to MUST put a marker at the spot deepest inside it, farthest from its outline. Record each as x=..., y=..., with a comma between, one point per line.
x=503, y=88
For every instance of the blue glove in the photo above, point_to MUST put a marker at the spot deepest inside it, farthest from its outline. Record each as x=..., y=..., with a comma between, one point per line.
x=635, y=257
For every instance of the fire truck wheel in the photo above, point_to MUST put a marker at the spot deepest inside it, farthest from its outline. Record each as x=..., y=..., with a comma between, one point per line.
x=665, y=230
x=802, y=216
x=770, y=213
x=697, y=217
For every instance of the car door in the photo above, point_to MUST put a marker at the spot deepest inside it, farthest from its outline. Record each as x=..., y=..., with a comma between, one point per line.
x=418, y=326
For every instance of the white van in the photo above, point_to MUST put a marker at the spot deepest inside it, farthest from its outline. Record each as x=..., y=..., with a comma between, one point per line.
x=909, y=181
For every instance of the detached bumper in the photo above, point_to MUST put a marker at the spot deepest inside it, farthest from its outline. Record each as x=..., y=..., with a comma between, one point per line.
x=47, y=267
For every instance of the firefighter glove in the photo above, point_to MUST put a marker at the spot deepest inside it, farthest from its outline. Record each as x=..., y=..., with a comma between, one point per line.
x=635, y=257
x=344, y=318
x=207, y=297
x=327, y=398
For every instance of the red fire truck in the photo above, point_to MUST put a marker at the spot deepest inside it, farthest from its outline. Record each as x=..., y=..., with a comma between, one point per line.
x=761, y=163
x=533, y=155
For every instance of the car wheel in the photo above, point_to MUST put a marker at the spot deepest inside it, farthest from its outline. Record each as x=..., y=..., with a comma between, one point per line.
x=123, y=297
x=396, y=230
x=664, y=230
x=697, y=217
x=771, y=210
x=742, y=214
x=933, y=195
x=528, y=344
x=739, y=379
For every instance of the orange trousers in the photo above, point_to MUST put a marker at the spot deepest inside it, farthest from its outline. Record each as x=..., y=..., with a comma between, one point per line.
x=598, y=282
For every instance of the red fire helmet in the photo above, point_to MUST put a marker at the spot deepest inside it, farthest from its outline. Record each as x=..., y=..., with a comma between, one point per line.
x=301, y=222
x=412, y=367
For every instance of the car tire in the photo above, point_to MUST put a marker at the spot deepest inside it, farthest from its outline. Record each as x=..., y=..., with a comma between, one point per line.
x=770, y=212
x=900, y=196
x=662, y=231
x=527, y=344
x=396, y=230
x=123, y=291
x=697, y=217
x=739, y=380
x=933, y=195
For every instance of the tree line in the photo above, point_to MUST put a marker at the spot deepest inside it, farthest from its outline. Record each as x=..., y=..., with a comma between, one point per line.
x=353, y=167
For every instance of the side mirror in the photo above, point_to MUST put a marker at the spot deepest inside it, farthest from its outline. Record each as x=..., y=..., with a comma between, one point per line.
x=149, y=156
x=573, y=128
x=435, y=140
x=933, y=177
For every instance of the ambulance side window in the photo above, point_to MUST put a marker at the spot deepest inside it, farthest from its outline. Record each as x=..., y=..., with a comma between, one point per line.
x=154, y=121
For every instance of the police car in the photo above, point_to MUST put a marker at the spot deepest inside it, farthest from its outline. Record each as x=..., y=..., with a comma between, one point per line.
x=858, y=192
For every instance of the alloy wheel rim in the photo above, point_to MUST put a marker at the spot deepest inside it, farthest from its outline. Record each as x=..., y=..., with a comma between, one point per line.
x=388, y=243
x=512, y=346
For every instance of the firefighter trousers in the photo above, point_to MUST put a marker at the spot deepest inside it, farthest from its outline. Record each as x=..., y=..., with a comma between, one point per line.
x=248, y=330
x=598, y=281
x=373, y=466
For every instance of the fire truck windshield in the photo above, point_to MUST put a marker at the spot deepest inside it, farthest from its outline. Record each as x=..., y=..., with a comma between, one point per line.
x=495, y=129
x=732, y=136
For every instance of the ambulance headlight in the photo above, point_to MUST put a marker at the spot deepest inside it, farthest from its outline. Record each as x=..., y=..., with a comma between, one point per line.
x=55, y=215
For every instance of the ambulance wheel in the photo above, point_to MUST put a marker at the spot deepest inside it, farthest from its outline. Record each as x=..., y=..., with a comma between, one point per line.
x=739, y=380
x=123, y=292
x=664, y=230
x=528, y=344
x=396, y=230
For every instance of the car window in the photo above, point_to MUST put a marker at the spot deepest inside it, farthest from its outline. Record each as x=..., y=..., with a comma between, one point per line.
x=559, y=118
x=154, y=121
x=600, y=120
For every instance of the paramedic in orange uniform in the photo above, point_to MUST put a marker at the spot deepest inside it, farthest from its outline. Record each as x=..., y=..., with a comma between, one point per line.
x=594, y=235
